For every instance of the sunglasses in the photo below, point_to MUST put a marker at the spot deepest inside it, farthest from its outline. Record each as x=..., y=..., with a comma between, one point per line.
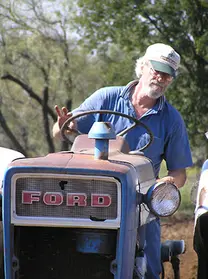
x=164, y=76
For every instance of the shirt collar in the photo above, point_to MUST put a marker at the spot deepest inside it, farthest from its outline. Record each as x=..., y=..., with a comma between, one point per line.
x=128, y=89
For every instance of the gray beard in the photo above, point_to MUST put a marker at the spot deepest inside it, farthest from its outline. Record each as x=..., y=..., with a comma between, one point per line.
x=154, y=95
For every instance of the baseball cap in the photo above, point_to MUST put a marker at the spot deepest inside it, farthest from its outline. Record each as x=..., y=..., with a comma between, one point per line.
x=163, y=58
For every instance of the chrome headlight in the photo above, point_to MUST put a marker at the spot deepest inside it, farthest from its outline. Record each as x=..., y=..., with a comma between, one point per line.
x=163, y=199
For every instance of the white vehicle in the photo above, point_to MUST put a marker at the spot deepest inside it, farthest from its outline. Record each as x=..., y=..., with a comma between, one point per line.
x=201, y=220
x=7, y=156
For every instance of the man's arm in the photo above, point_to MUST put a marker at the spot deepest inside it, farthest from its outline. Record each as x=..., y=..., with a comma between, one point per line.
x=83, y=124
x=178, y=177
x=56, y=131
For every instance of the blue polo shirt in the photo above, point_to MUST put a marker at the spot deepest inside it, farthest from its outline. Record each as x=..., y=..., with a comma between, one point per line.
x=170, y=136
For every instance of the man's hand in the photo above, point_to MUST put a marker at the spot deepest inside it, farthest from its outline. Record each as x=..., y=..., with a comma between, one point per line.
x=167, y=179
x=177, y=177
x=62, y=115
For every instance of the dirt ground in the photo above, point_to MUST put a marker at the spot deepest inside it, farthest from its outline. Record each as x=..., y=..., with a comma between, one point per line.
x=178, y=230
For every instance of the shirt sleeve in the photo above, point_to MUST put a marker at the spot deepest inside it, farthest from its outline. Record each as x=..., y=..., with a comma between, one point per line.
x=94, y=102
x=177, y=149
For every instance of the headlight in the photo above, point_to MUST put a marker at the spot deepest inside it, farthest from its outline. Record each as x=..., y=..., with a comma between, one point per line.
x=163, y=199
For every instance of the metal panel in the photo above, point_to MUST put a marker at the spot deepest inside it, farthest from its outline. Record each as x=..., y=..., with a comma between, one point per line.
x=61, y=186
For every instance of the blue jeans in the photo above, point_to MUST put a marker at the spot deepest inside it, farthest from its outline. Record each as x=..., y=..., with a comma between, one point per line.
x=152, y=249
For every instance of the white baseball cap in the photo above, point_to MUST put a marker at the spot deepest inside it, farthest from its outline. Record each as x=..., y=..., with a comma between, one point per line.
x=163, y=58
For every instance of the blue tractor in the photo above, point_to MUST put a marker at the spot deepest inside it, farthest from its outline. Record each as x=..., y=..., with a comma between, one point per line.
x=78, y=213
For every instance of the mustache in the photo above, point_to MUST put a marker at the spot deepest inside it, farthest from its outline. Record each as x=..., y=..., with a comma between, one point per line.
x=158, y=84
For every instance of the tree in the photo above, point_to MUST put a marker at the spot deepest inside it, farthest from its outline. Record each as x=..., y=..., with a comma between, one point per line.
x=35, y=57
x=41, y=65
x=134, y=24
x=59, y=54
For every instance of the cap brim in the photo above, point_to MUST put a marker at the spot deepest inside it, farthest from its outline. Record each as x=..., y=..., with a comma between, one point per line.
x=158, y=66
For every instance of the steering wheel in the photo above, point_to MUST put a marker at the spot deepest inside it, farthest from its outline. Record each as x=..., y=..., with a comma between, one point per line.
x=123, y=132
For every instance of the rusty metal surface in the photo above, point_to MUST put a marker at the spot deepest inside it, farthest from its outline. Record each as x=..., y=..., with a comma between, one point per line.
x=118, y=152
x=70, y=160
x=59, y=160
x=82, y=144
x=141, y=163
x=82, y=156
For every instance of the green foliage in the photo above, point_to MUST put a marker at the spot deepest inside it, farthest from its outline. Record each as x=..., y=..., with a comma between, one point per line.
x=64, y=52
x=133, y=25
x=40, y=66
x=187, y=206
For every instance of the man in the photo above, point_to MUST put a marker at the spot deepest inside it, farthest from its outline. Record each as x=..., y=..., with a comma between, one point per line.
x=144, y=99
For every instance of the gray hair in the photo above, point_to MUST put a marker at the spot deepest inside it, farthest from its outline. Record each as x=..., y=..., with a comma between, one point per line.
x=139, y=64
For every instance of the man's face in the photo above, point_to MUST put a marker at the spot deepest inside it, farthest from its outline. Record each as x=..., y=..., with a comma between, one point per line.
x=155, y=82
